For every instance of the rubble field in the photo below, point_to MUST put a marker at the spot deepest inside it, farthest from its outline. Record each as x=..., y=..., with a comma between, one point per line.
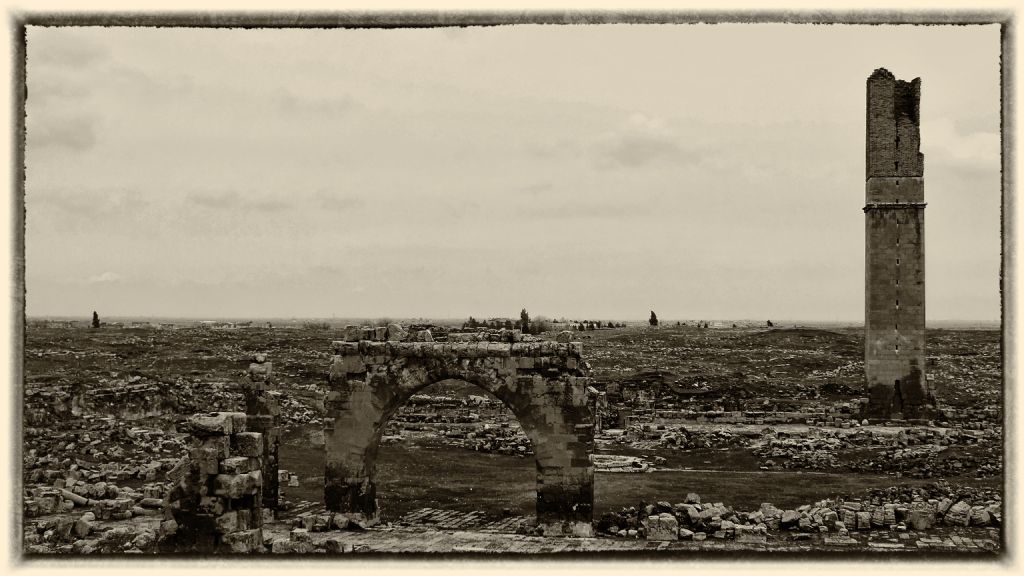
x=728, y=438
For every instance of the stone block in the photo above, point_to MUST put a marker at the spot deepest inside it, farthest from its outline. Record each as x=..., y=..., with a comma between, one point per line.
x=211, y=505
x=980, y=517
x=244, y=541
x=395, y=332
x=789, y=519
x=233, y=485
x=662, y=527
x=959, y=514
x=863, y=520
x=921, y=520
x=226, y=523
x=334, y=546
x=84, y=525
x=342, y=366
x=260, y=372
x=248, y=444
x=236, y=465
x=245, y=519
x=339, y=522
x=211, y=424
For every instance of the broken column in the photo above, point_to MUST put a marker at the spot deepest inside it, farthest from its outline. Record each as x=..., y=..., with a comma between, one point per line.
x=215, y=505
x=264, y=414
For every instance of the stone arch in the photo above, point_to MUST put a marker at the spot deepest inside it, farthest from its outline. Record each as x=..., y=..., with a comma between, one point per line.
x=542, y=383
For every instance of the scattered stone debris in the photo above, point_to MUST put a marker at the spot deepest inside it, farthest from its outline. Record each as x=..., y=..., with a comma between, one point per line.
x=108, y=419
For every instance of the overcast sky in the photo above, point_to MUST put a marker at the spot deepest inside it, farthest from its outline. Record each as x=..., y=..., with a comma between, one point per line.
x=706, y=172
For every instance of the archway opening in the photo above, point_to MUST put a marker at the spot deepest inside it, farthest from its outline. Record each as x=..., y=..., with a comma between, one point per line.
x=453, y=446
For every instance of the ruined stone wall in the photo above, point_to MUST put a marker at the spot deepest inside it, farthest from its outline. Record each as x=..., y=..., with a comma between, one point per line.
x=215, y=505
x=894, y=343
x=542, y=383
x=264, y=416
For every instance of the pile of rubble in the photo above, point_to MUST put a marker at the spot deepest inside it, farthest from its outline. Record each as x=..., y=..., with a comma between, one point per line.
x=648, y=436
x=913, y=452
x=95, y=449
x=619, y=463
x=898, y=509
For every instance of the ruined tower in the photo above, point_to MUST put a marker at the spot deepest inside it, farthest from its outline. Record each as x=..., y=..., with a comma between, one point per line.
x=894, y=352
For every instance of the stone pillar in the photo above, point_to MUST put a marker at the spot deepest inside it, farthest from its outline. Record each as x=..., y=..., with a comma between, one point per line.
x=215, y=504
x=264, y=416
x=565, y=473
x=894, y=325
x=350, y=438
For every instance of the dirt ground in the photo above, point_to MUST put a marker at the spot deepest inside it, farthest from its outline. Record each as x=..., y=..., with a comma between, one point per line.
x=112, y=399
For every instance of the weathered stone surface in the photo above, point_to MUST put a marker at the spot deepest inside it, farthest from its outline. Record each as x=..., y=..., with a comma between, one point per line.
x=894, y=357
x=227, y=522
x=395, y=332
x=863, y=521
x=235, y=465
x=553, y=408
x=980, y=517
x=247, y=444
x=213, y=424
x=662, y=527
x=245, y=541
x=920, y=519
x=958, y=515
x=789, y=518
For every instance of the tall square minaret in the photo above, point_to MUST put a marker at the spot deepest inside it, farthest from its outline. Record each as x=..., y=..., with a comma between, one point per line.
x=894, y=333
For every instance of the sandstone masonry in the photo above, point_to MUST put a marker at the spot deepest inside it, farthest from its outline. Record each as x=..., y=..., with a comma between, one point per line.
x=264, y=416
x=215, y=504
x=543, y=383
x=894, y=347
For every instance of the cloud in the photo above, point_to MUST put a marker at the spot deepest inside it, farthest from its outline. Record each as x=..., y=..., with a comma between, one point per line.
x=60, y=131
x=290, y=102
x=973, y=150
x=641, y=141
x=87, y=202
x=535, y=189
x=267, y=205
x=232, y=200
x=338, y=201
x=106, y=278
x=66, y=48
x=216, y=199
x=569, y=211
x=57, y=88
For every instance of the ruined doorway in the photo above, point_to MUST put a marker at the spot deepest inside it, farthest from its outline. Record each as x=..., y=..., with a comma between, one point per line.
x=542, y=383
x=456, y=448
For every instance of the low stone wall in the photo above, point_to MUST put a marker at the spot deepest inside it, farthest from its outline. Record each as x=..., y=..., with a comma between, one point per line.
x=216, y=503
